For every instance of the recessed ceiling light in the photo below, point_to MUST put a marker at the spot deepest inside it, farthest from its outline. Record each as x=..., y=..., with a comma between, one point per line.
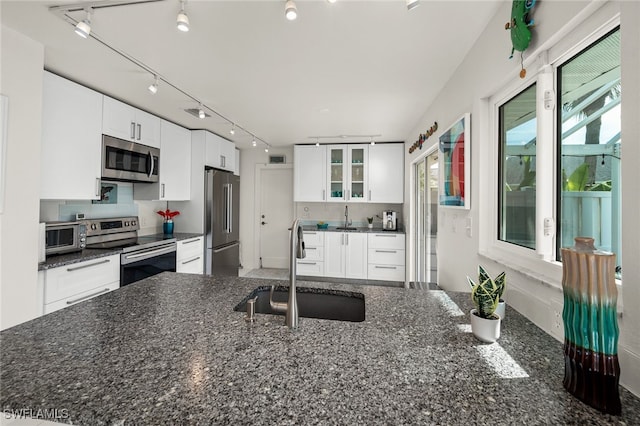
x=290, y=10
x=183, y=20
x=83, y=28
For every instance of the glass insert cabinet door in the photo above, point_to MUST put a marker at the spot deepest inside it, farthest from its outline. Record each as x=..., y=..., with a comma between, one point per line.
x=347, y=172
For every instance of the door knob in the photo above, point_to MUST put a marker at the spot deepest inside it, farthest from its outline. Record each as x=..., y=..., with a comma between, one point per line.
x=264, y=223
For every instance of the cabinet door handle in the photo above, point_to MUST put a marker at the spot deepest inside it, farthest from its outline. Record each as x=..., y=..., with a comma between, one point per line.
x=98, y=187
x=386, y=251
x=307, y=263
x=88, y=296
x=386, y=235
x=88, y=266
x=133, y=130
x=162, y=194
x=310, y=248
x=190, y=241
x=323, y=195
x=139, y=131
x=385, y=267
x=341, y=239
x=310, y=233
x=192, y=260
x=369, y=195
x=346, y=236
x=223, y=161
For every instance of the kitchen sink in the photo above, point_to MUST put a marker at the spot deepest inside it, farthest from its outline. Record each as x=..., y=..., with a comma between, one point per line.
x=312, y=303
x=347, y=228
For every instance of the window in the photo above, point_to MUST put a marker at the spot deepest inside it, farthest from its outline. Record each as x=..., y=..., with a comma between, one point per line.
x=589, y=93
x=517, y=169
x=556, y=158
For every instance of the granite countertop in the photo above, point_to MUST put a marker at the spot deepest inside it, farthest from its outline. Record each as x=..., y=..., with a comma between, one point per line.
x=374, y=230
x=59, y=260
x=171, y=350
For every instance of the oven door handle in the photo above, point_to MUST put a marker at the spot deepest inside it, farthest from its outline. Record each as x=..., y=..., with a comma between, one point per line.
x=129, y=258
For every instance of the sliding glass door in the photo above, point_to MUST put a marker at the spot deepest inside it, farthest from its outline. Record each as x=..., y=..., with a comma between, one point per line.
x=427, y=220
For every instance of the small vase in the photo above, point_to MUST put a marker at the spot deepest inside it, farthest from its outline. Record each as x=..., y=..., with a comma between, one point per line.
x=485, y=329
x=167, y=227
x=370, y=225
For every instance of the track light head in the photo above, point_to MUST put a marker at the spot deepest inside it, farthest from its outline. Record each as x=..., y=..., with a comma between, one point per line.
x=233, y=129
x=331, y=1
x=201, y=113
x=290, y=10
x=266, y=150
x=253, y=143
x=154, y=87
x=412, y=4
x=183, y=20
x=83, y=28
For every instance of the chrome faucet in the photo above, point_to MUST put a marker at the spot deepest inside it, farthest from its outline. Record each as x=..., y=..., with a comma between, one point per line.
x=297, y=252
x=346, y=217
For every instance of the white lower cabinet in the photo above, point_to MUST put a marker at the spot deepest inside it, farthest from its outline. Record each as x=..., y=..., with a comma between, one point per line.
x=67, y=285
x=313, y=263
x=386, y=261
x=190, y=256
x=346, y=255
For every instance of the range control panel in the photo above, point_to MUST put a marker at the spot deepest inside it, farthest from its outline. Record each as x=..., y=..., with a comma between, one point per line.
x=112, y=225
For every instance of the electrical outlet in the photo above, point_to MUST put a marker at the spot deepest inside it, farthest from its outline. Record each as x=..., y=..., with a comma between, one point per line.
x=143, y=221
x=557, y=324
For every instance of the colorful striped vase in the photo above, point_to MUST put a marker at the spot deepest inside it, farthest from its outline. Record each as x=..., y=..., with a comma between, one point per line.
x=591, y=368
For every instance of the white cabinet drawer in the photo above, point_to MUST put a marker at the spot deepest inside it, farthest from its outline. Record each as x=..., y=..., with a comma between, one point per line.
x=80, y=297
x=306, y=267
x=313, y=239
x=386, y=256
x=386, y=272
x=78, y=278
x=190, y=248
x=386, y=241
x=314, y=253
x=194, y=265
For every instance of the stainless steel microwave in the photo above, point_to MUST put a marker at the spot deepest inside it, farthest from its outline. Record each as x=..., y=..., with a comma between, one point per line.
x=64, y=237
x=129, y=161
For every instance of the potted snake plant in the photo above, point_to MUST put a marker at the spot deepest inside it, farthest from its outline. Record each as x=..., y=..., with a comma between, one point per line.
x=485, y=323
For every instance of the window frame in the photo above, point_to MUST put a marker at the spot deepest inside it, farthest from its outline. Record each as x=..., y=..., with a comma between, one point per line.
x=538, y=264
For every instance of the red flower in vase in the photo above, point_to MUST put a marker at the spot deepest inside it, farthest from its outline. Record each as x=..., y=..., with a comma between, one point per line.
x=168, y=214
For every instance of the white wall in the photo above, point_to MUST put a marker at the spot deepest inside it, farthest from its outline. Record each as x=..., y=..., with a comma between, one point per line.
x=21, y=82
x=485, y=71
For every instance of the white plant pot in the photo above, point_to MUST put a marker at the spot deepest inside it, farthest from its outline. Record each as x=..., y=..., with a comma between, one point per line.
x=485, y=330
x=370, y=225
x=501, y=309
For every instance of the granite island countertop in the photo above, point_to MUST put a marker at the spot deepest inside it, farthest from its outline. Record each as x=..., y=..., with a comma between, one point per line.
x=171, y=350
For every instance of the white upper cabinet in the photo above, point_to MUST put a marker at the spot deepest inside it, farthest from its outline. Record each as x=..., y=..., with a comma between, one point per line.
x=175, y=167
x=219, y=153
x=347, y=170
x=71, y=140
x=386, y=173
x=309, y=167
x=126, y=122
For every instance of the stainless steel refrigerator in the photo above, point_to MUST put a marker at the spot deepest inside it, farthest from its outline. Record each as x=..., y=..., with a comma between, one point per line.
x=222, y=202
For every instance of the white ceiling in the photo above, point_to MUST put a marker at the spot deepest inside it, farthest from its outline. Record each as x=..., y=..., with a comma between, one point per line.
x=348, y=68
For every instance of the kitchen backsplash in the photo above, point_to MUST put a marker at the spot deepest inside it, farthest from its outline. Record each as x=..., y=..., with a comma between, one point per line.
x=334, y=212
x=124, y=205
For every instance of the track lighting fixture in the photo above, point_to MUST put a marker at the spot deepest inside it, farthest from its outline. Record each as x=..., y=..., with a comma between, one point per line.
x=154, y=87
x=412, y=4
x=254, y=142
x=83, y=28
x=201, y=113
x=183, y=20
x=331, y=1
x=290, y=10
x=372, y=142
x=233, y=129
x=266, y=150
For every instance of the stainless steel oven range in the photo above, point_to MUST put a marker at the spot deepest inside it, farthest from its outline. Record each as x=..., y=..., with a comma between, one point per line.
x=142, y=256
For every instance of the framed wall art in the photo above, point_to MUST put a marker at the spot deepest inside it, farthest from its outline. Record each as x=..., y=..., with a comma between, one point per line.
x=455, y=164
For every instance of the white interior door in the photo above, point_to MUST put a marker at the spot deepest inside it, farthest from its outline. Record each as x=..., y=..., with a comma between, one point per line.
x=276, y=216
